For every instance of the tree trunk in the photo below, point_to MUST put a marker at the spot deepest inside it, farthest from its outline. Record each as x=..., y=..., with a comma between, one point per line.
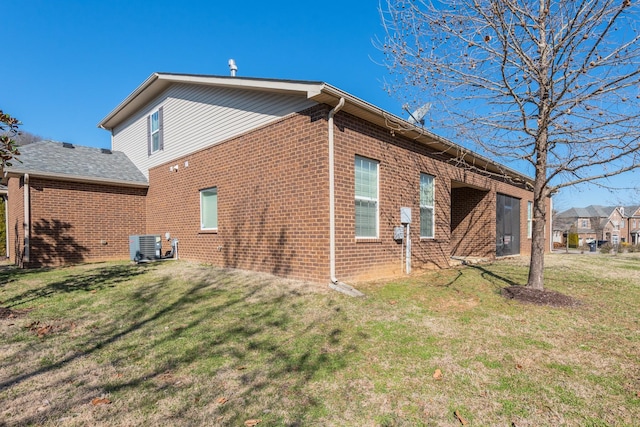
x=536, y=266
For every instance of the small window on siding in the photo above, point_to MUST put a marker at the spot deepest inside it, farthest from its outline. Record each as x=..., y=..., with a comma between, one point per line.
x=529, y=219
x=426, y=205
x=155, y=131
x=209, y=209
x=366, y=197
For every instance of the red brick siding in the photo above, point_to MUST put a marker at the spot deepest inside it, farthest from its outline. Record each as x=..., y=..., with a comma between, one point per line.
x=76, y=222
x=273, y=212
x=273, y=207
x=401, y=162
x=473, y=222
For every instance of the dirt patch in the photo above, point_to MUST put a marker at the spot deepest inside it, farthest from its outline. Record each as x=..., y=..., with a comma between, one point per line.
x=7, y=313
x=539, y=297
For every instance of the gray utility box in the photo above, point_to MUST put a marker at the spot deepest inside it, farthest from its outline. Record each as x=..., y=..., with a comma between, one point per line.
x=145, y=247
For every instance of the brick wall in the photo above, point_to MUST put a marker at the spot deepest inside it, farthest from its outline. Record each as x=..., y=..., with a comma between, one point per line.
x=473, y=227
x=273, y=196
x=75, y=222
x=465, y=203
x=273, y=207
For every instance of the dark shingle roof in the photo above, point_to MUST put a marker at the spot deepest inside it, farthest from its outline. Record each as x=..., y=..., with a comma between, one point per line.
x=64, y=159
x=593, y=211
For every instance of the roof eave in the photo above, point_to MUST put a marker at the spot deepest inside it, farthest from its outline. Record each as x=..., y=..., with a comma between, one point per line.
x=72, y=178
x=320, y=92
x=158, y=82
x=356, y=106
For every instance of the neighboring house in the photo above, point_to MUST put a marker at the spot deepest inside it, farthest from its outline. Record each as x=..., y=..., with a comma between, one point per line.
x=633, y=221
x=595, y=222
x=69, y=203
x=303, y=180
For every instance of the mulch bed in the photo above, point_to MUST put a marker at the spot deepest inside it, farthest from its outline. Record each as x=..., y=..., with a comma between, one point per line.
x=538, y=297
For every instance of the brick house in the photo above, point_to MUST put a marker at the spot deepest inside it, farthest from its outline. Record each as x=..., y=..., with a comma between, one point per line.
x=68, y=204
x=303, y=180
x=633, y=219
x=614, y=224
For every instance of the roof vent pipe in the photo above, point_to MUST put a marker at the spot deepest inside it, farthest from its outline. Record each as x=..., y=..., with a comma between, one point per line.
x=233, y=67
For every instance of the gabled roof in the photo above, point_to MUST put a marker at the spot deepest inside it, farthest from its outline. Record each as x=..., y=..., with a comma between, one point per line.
x=593, y=211
x=69, y=162
x=632, y=210
x=320, y=92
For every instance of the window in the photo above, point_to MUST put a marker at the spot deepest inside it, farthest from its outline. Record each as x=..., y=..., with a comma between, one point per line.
x=529, y=219
x=366, y=190
x=585, y=223
x=209, y=209
x=426, y=205
x=154, y=131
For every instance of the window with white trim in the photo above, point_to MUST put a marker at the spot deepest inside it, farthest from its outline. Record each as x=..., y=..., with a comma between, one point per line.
x=209, y=209
x=366, y=197
x=154, y=131
x=427, y=211
x=529, y=219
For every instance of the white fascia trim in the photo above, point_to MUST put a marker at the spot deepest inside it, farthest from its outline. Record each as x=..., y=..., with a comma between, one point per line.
x=422, y=134
x=75, y=178
x=157, y=82
x=133, y=95
x=308, y=89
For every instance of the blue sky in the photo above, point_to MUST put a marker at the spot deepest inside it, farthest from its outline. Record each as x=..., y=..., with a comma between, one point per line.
x=69, y=63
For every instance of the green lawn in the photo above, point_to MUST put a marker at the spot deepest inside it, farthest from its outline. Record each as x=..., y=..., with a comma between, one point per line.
x=176, y=343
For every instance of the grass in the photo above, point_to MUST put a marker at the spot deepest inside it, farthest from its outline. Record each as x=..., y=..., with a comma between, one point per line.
x=185, y=344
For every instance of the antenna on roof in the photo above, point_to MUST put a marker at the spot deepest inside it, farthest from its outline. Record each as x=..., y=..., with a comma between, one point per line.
x=233, y=67
x=418, y=115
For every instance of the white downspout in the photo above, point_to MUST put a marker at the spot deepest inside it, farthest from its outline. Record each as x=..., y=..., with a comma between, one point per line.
x=27, y=219
x=332, y=202
x=335, y=284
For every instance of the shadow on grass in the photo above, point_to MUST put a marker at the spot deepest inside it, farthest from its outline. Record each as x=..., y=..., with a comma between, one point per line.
x=498, y=280
x=10, y=273
x=452, y=281
x=87, y=281
x=231, y=333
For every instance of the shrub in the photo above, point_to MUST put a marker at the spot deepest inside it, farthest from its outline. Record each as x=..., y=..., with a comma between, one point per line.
x=606, y=248
x=574, y=240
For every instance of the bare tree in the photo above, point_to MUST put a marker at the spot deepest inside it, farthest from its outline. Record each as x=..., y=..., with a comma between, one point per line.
x=552, y=84
x=24, y=138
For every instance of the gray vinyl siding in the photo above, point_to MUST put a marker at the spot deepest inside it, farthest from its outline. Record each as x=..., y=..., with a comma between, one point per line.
x=196, y=117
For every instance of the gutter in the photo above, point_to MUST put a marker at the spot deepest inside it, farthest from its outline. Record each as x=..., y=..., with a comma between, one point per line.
x=433, y=140
x=74, y=178
x=335, y=284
